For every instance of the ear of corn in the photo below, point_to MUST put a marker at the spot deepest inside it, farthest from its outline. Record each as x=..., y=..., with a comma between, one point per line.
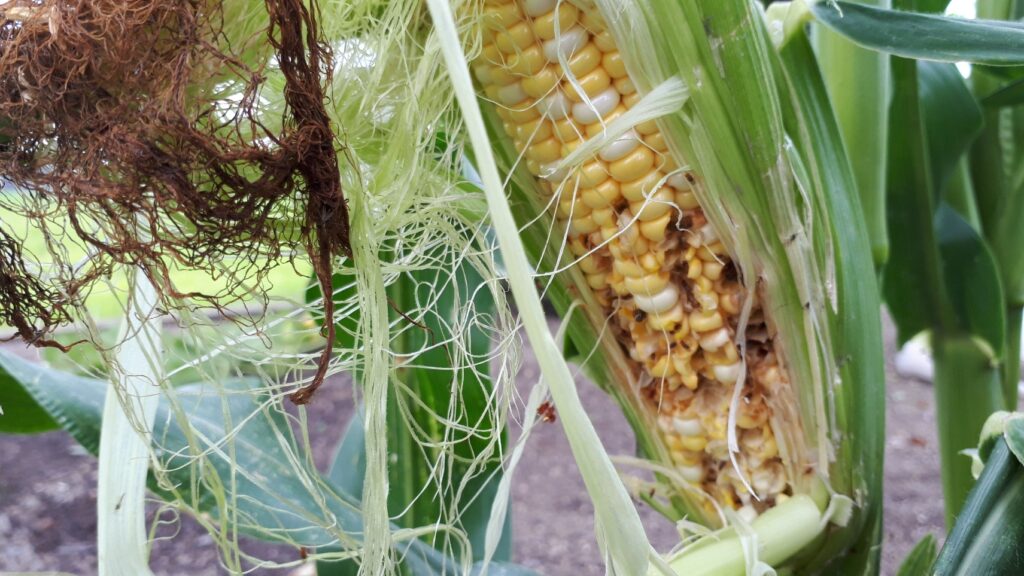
x=706, y=253
x=653, y=260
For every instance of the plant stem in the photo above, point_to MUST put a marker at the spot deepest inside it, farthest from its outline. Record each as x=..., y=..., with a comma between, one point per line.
x=968, y=388
x=1011, y=365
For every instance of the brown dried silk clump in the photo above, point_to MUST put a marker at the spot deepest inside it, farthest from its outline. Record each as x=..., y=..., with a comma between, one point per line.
x=115, y=112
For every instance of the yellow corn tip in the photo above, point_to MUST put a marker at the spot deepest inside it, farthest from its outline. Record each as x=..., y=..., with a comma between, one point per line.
x=557, y=78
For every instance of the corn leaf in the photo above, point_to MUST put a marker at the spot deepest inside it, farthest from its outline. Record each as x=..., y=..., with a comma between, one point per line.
x=1011, y=94
x=920, y=559
x=971, y=280
x=20, y=412
x=274, y=505
x=858, y=82
x=1014, y=435
x=925, y=36
x=952, y=119
x=988, y=537
x=912, y=277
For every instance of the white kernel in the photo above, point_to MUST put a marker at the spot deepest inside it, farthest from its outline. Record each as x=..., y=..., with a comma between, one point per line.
x=747, y=513
x=687, y=426
x=715, y=340
x=658, y=303
x=600, y=106
x=727, y=374
x=556, y=106
x=536, y=8
x=708, y=234
x=565, y=44
x=679, y=181
x=512, y=94
x=692, y=474
x=618, y=148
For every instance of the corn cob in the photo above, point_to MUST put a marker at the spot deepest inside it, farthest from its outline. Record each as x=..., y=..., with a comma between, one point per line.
x=648, y=252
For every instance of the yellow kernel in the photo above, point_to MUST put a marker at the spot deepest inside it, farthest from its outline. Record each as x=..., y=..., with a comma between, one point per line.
x=491, y=54
x=713, y=270
x=632, y=166
x=501, y=76
x=639, y=188
x=603, y=216
x=524, y=112
x=672, y=321
x=694, y=268
x=546, y=151
x=648, y=127
x=705, y=320
x=565, y=15
x=602, y=195
x=540, y=84
x=583, y=225
x=657, y=141
x=571, y=207
x=625, y=86
x=501, y=17
x=663, y=368
x=659, y=205
x=694, y=443
x=628, y=268
x=647, y=284
x=614, y=64
x=584, y=61
x=590, y=264
x=597, y=281
x=567, y=130
x=528, y=62
x=630, y=100
x=667, y=162
x=482, y=72
x=652, y=262
x=708, y=253
x=597, y=128
x=591, y=174
x=730, y=303
x=687, y=200
x=593, y=20
x=605, y=42
x=536, y=130
x=533, y=167
x=655, y=229
x=570, y=147
x=592, y=84
x=515, y=39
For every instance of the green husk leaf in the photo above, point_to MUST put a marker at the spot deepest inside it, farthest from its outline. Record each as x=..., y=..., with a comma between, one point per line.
x=619, y=530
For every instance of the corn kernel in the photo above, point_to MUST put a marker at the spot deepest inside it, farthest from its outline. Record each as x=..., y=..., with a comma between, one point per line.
x=565, y=16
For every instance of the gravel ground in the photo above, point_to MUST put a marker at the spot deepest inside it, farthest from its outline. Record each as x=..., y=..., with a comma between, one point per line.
x=48, y=494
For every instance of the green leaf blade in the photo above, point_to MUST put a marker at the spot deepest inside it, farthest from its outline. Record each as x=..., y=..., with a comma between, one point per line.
x=925, y=36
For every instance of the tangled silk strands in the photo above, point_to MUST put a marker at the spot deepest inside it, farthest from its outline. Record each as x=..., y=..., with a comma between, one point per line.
x=150, y=128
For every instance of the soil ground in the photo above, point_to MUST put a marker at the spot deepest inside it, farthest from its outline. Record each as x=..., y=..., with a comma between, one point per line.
x=48, y=494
